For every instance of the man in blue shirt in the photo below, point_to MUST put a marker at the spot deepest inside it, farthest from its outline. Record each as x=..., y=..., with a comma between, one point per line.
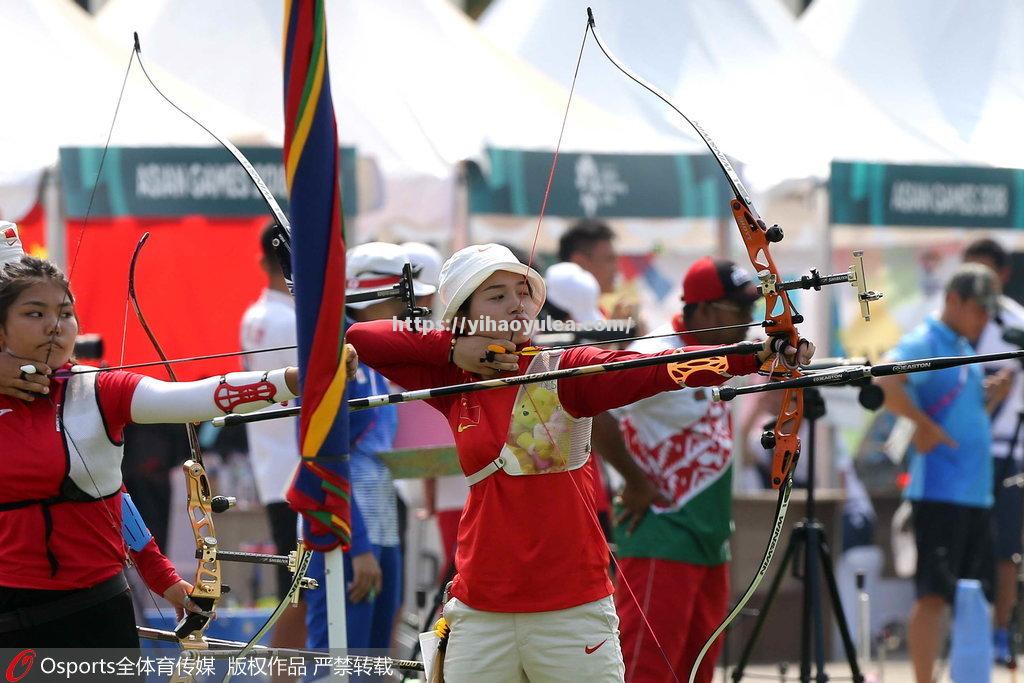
x=951, y=463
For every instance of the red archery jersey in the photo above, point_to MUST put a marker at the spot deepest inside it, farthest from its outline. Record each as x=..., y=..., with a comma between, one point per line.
x=86, y=537
x=526, y=543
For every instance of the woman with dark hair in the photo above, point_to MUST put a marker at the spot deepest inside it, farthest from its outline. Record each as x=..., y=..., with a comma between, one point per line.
x=65, y=522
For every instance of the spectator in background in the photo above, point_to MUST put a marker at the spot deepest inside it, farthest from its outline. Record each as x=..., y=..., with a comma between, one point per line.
x=589, y=244
x=1008, y=507
x=273, y=444
x=374, y=561
x=674, y=515
x=573, y=294
x=950, y=486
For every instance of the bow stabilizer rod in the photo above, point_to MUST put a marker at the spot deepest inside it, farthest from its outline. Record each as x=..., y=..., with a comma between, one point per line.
x=855, y=373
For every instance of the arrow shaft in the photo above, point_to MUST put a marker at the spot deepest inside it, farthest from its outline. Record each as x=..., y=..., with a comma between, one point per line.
x=504, y=382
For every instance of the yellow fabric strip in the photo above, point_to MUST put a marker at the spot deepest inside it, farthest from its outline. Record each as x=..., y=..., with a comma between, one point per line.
x=306, y=122
x=322, y=419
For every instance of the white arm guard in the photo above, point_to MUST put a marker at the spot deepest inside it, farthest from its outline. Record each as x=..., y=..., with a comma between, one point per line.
x=156, y=402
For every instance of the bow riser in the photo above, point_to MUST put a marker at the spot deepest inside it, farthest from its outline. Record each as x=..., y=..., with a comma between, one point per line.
x=784, y=437
x=207, y=588
x=756, y=239
x=781, y=318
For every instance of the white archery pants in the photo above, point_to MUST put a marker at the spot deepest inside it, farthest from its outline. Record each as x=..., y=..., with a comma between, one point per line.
x=576, y=644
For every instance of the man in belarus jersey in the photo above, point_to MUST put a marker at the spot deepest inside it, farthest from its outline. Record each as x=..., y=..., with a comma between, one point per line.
x=531, y=600
x=675, y=513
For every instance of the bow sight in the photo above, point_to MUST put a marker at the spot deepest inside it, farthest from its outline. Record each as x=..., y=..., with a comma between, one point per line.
x=854, y=275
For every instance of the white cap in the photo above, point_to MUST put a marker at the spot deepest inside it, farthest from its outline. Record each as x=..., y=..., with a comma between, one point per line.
x=468, y=268
x=574, y=290
x=375, y=265
x=425, y=260
x=10, y=243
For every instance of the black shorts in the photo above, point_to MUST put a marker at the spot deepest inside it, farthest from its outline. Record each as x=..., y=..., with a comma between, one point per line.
x=284, y=530
x=109, y=624
x=1007, y=511
x=953, y=542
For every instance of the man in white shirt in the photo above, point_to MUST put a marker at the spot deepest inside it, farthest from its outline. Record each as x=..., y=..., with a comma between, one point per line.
x=1008, y=510
x=273, y=445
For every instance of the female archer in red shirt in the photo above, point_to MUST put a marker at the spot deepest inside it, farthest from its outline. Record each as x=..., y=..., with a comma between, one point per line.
x=63, y=526
x=531, y=598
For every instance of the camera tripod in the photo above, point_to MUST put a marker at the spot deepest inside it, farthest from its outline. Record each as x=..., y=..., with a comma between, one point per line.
x=808, y=537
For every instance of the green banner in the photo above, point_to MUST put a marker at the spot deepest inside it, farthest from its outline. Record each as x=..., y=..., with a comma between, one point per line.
x=168, y=182
x=600, y=185
x=926, y=196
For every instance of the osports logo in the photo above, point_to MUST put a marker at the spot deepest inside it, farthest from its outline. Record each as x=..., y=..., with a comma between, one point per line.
x=20, y=665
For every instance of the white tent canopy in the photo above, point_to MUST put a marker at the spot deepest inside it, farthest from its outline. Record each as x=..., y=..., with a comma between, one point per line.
x=415, y=85
x=62, y=78
x=954, y=68
x=740, y=67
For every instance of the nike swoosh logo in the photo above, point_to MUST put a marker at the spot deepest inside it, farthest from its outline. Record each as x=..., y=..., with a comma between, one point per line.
x=592, y=650
x=463, y=428
x=4, y=411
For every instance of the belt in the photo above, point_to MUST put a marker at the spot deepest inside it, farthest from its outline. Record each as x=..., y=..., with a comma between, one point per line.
x=486, y=471
x=25, y=618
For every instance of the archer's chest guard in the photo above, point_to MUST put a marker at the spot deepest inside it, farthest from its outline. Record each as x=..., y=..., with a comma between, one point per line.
x=542, y=437
x=94, y=461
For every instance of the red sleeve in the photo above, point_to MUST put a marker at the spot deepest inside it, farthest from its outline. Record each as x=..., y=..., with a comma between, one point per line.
x=410, y=359
x=593, y=394
x=115, y=390
x=157, y=571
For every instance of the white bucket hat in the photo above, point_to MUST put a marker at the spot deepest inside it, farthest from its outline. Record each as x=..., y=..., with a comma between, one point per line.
x=10, y=243
x=425, y=260
x=468, y=268
x=375, y=265
x=574, y=290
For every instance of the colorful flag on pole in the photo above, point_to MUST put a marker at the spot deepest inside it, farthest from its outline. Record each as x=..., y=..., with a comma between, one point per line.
x=321, y=489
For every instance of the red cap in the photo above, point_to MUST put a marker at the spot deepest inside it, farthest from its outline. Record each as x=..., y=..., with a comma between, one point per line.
x=711, y=279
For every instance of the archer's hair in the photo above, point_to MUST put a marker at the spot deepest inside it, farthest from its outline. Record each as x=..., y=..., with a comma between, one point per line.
x=987, y=248
x=975, y=282
x=17, y=276
x=582, y=237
